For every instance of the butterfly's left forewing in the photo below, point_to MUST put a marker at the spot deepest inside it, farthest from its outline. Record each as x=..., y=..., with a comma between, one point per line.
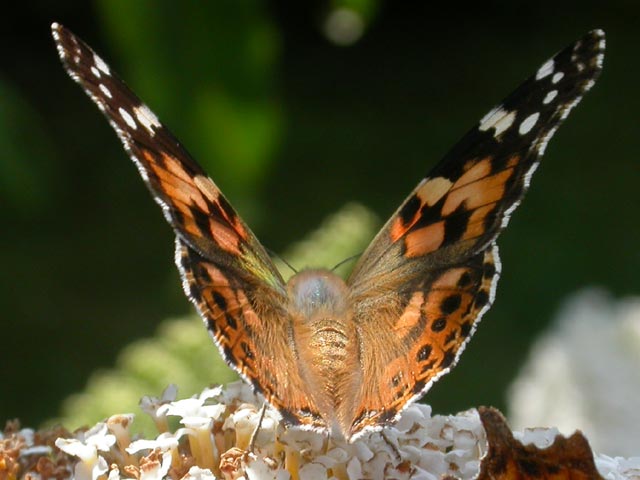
x=226, y=272
x=190, y=200
x=431, y=271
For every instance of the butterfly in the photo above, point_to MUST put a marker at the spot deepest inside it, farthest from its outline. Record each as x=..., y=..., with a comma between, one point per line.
x=347, y=357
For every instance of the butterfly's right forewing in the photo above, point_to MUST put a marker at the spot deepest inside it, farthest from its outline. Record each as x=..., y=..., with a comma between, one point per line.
x=430, y=273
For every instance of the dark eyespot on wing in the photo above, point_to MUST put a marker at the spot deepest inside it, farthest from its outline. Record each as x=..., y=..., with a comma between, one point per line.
x=439, y=324
x=482, y=298
x=448, y=359
x=424, y=353
x=450, y=304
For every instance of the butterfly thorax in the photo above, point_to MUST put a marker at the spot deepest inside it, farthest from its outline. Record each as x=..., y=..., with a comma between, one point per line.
x=325, y=340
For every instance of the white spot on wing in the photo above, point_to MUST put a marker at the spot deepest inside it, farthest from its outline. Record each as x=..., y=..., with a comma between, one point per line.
x=504, y=123
x=61, y=51
x=557, y=77
x=546, y=69
x=101, y=65
x=528, y=123
x=550, y=96
x=127, y=118
x=498, y=119
x=105, y=90
x=147, y=118
x=95, y=71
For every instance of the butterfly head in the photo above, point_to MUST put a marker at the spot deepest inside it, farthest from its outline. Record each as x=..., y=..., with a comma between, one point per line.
x=317, y=292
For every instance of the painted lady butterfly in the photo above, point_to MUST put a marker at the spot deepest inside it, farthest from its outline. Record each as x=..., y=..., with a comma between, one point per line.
x=348, y=357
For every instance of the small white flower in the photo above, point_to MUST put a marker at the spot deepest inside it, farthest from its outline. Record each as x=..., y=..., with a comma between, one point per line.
x=156, y=469
x=149, y=404
x=155, y=407
x=194, y=413
x=119, y=425
x=99, y=437
x=38, y=450
x=91, y=465
x=114, y=473
x=210, y=392
x=541, y=437
x=89, y=443
x=197, y=473
x=259, y=470
x=313, y=471
x=618, y=468
x=164, y=441
x=27, y=434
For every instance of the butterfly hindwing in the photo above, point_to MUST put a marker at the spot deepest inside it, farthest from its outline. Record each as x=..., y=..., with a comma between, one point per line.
x=422, y=336
x=253, y=334
x=445, y=231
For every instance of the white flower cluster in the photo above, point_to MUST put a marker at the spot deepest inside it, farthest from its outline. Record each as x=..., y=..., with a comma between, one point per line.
x=222, y=434
x=218, y=425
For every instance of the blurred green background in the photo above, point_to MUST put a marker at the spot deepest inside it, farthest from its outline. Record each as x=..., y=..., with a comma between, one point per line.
x=295, y=109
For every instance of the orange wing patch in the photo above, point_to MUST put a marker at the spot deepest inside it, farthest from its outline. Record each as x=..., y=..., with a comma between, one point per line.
x=428, y=193
x=470, y=195
x=435, y=209
x=425, y=240
x=201, y=208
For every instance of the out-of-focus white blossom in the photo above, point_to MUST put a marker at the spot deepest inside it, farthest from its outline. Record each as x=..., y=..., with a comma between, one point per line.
x=584, y=373
x=618, y=468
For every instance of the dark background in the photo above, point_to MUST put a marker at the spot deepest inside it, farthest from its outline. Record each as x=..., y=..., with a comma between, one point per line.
x=292, y=126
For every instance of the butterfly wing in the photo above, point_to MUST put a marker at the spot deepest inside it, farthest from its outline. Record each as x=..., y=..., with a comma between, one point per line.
x=226, y=272
x=421, y=287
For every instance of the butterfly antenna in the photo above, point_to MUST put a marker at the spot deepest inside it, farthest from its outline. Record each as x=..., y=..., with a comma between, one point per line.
x=342, y=262
x=274, y=254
